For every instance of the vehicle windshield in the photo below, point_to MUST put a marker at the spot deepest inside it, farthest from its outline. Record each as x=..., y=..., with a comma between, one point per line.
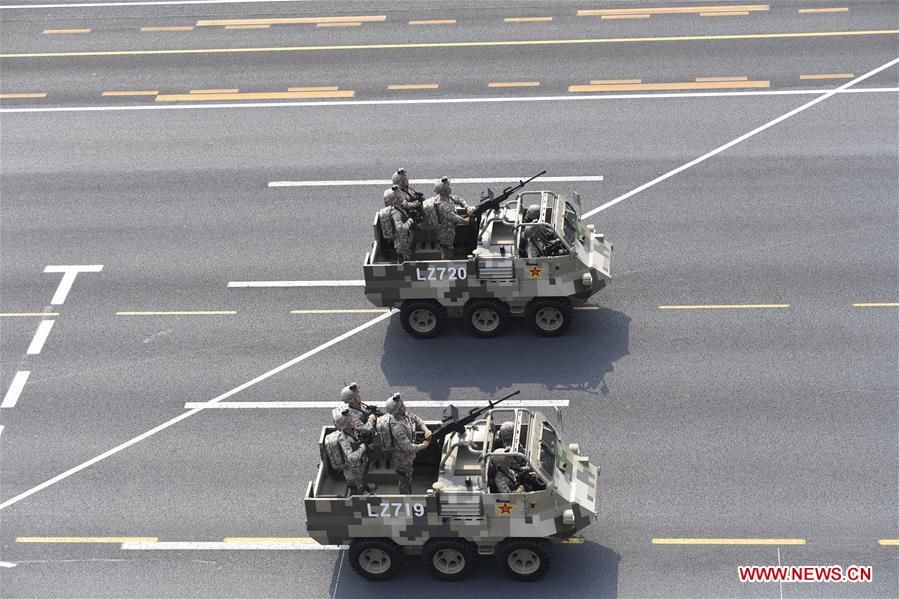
x=548, y=449
x=570, y=224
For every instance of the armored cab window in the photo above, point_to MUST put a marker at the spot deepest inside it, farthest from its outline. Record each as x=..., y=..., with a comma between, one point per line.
x=548, y=449
x=570, y=224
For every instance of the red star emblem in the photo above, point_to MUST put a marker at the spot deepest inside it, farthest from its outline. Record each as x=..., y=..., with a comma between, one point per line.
x=535, y=272
x=505, y=508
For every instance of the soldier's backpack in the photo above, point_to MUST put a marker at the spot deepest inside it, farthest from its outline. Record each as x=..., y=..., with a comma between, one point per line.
x=334, y=452
x=386, y=223
x=384, y=434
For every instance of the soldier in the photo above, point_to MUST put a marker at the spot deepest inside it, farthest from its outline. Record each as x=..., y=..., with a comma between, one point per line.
x=355, y=454
x=539, y=241
x=403, y=426
x=505, y=479
x=440, y=211
x=397, y=224
x=352, y=398
x=504, y=436
x=411, y=199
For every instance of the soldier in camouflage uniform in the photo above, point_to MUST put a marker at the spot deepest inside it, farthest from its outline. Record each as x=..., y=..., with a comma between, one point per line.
x=355, y=454
x=505, y=478
x=403, y=426
x=352, y=398
x=440, y=212
x=412, y=200
x=397, y=224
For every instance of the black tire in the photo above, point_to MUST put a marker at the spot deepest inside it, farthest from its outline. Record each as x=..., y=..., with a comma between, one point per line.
x=550, y=317
x=524, y=559
x=422, y=319
x=375, y=559
x=486, y=317
x=449, y=559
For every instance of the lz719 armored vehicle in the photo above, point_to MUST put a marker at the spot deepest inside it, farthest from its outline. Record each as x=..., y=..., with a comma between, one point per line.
x=455, y=513
x=490, y=277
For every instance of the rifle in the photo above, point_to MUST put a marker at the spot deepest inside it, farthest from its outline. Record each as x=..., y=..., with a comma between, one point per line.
x=454, y=424
x=492, y=203
x=370, y=410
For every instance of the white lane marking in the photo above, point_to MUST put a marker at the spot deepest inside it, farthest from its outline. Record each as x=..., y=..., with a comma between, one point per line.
x=70, y=271
x=15, y=389
x=348, y=183
x=7, y=565
x=742, y=138
x=342, y=283
x=236, y=405
x=185, y=415
x=484, y=100
x=219, y=545
x=339, y=570
x=155, y=3
x=40, y=337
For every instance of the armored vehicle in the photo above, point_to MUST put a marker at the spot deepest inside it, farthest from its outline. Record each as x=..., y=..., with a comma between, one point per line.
x=491, y=276
x=455, y=513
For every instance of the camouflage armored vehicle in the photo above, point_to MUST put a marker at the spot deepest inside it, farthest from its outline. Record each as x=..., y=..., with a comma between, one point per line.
x=455, y=513
x=491, y=278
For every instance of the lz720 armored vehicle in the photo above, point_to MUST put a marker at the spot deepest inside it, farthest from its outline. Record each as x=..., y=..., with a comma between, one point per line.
x=491, y=276
x=455, y=513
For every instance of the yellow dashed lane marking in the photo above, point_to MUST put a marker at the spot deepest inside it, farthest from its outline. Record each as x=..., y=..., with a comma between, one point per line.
x=61, y=31
x=290, y=21
x=723, y=14
x=526, y=19
x=353, y=24
x=572, y=541
x=343, y=311
x=269, y=540
x=255, y=96
x=804, y=11
x=248, y=26
x=413, y=86
x=180, y=313
x=175, y=28
x=514, y=84
x=724, y=307
x=829, y=76
x=722, y=79
x=19, y=96
x=889, y=542
x=669, y=86
x=16, y=314
x=614, y=81
x=485, y=44
x=324, y=88
x=586, y=308
x=215, y=91
x=666, y=541
x=877, y=305
x=86, y=539
x=671, y=10
x=434, y=22
x=620, y=17
x=131, y=93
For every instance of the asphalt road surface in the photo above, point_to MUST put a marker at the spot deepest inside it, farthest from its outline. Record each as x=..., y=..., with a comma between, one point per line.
x=737, y=381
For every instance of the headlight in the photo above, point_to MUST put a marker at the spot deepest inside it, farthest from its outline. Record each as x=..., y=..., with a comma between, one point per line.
x=587, y=279
x=568, y=517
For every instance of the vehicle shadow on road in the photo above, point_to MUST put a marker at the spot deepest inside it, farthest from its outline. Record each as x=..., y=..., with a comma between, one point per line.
x=578, y=360
x=587, y=570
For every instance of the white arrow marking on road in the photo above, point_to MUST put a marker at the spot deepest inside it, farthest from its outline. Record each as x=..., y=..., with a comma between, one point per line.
x=359, y=182
x=843, y=88
x=70, y=271
x=40, y=337
x=343, y=283
x=15, y=389
x=525, y=403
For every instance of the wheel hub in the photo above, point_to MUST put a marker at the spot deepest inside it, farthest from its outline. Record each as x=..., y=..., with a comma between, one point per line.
x=449, y=561
x=485, y=319
x=375, y=561
x=423, y=320
x=524, y=562
x=549, y=319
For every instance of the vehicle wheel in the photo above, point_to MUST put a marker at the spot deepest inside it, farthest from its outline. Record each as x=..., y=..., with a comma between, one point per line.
x=550, y=317
x=449, y=559
x=486, y=318
x=421, y=319
x=375, y=559
x=523, y=559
